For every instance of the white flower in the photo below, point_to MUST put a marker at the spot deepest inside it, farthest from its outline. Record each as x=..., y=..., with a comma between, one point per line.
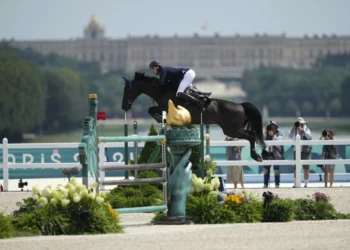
x=210, y=172
x=214, y=194
x=74, y=181
x=199, y=185
x=94, y=185
x=194, y=178
x=84, y=193
x=216, y=183
x=55, y=194
x=76, y=198
x=64, y=193
x=65, y=202
x=92, y=195
x=207, y=158
x=71, y=190
x=35, y=197
x=53, y=201
x=42, y=200
x=68, y=185
x=208, y=187
x=99, y=199
x=36, y=189
x=46, y=192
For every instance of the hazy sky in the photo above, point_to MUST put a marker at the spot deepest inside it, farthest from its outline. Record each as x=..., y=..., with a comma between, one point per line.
x=63, y=19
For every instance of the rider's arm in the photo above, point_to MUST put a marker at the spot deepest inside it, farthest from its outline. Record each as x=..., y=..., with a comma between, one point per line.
x=162, y=76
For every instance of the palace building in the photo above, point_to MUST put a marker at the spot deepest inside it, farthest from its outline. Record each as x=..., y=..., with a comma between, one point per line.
x=215, y=56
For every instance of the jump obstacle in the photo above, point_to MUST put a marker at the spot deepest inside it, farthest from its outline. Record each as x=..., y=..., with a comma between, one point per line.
x=177, y=177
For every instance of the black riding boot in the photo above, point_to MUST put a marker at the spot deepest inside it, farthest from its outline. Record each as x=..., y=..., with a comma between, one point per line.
x=189, y=98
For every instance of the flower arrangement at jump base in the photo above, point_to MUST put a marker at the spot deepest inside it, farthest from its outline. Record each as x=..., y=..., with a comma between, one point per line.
x=69, y=209
x=208, y=185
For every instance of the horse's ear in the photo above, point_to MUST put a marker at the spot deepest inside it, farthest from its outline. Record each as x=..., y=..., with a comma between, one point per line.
x=127, y=82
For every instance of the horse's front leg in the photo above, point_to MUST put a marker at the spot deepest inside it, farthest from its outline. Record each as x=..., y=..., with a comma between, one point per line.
x=156, y=113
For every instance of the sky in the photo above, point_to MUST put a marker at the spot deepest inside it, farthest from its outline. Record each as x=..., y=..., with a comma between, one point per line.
x=65, y=19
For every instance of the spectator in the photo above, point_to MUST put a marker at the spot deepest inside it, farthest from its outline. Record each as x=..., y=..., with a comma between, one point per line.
x=329, y=152
x=234, y=173
x=300, y=128
x=272, y=153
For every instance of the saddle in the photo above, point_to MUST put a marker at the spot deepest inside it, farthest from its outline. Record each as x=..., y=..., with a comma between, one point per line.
x=192, y=90
x=203, y=97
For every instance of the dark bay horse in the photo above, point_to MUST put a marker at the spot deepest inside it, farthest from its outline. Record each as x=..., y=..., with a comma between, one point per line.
x=236, y=120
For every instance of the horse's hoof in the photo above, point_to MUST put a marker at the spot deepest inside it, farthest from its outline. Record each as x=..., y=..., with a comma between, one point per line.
x=259, y=159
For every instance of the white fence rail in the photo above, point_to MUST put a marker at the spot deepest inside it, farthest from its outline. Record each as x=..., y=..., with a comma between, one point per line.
x=298, y=162
x=5, y=165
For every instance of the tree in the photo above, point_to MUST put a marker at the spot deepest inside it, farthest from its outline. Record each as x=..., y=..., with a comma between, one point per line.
x=306, y=107
x=335, y=106
x=67, y=103
x=291, y=107
x=344, y=96
x=22, y=97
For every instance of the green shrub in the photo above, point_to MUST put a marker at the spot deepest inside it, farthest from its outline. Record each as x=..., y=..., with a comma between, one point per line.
x=279, y=210
x=135, y=196
x=305, y=209
x=325, y=210
x=204, y=209
x=44, y=220
x=6, y=228
x=149, y=147
x=71, y=209
x=341, y=216
x=247, y=208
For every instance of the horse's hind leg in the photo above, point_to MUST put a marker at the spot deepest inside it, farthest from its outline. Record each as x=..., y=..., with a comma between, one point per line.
x=250, y=136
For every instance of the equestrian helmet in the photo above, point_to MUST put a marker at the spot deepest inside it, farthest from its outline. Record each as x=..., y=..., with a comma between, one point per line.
x=153, y=64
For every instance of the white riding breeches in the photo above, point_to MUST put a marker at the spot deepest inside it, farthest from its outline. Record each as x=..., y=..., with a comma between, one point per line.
x=186, y=81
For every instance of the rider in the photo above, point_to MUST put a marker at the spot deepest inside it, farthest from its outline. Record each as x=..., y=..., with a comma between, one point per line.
x=181, y=77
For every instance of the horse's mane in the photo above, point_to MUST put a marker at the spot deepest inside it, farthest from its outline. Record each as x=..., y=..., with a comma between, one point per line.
x=142, y=76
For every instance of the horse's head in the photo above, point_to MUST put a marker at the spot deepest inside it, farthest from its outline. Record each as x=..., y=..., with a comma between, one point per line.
x=130, y=94
x=134, y=88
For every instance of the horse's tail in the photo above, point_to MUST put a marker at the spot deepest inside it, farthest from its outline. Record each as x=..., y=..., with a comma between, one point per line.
x=254, y=122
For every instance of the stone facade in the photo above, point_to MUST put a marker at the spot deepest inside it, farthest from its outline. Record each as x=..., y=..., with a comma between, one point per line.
x=214, y=56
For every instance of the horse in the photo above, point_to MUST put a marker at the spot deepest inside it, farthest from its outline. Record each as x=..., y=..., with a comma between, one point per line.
x=241, y=121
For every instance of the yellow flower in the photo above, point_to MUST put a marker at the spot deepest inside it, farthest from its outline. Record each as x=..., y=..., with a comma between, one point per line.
x=114, y=213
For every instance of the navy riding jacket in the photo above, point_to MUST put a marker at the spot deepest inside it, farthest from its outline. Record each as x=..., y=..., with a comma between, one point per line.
x=171, y=75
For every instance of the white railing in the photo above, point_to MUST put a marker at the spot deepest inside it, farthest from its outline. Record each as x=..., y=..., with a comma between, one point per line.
x=30, y=164
x=298, y=162
x=297, y=143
